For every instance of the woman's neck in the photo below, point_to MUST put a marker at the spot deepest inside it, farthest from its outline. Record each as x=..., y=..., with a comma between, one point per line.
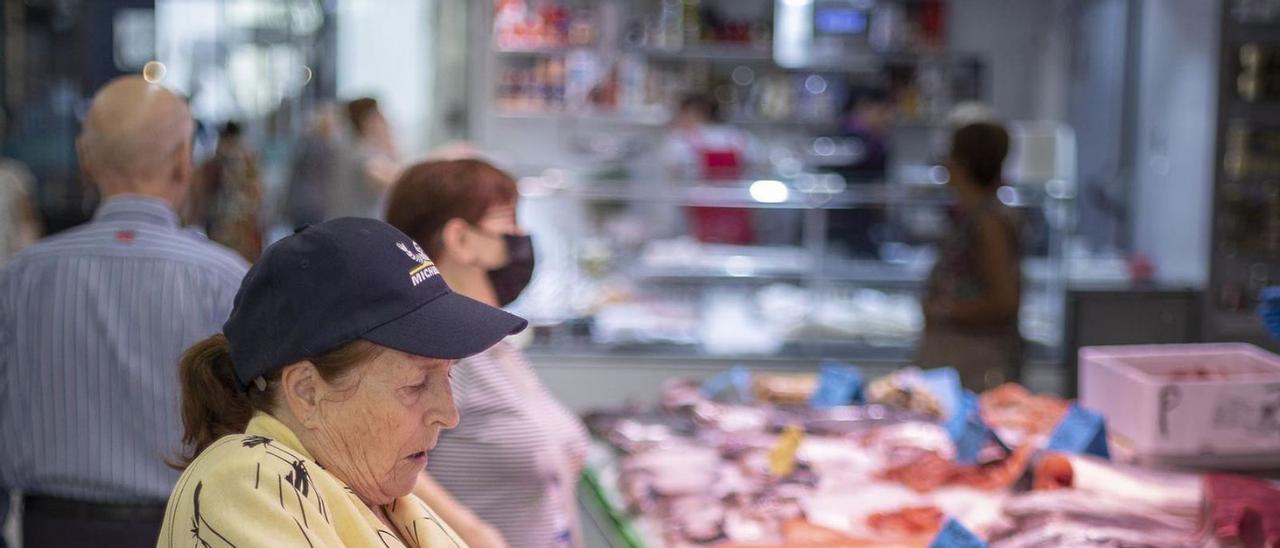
x=468, y=280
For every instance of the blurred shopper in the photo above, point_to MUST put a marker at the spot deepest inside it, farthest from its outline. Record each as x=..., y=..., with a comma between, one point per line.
x=313, y=164
x=973, y=294
x=516, y=456
x=19, y=223
x=868, y=117
x=867, y=120
x=369, y=165
x=309, y=421
x=701, y=148
x=92, y=322
x=226, y=198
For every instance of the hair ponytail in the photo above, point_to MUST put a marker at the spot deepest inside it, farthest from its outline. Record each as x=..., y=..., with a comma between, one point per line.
x=212, y=403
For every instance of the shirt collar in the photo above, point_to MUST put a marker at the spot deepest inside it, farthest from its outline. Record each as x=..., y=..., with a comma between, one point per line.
x=132, y=207
x=268, y=426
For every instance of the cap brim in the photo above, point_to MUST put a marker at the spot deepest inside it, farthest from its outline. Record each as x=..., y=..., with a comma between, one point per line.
x=451, y=326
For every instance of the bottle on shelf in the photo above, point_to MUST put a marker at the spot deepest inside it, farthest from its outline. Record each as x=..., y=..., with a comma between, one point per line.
x=691, y=21
x=1259, y=77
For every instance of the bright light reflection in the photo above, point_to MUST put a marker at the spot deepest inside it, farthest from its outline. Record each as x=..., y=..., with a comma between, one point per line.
x=154, y=71
x=769, y=191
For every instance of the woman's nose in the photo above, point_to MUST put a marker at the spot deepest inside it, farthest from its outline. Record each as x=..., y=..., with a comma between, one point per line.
x=445, y=415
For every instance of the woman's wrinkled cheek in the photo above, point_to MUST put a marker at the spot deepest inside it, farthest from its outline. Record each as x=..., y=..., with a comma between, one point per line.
x=359, y=437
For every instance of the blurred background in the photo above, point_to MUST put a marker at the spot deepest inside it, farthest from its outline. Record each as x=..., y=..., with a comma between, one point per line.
x=1143, y=164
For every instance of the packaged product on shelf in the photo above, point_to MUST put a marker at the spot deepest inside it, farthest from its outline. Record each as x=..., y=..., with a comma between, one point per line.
x=1259, y=77
x=518, y=25
x=1252, y=150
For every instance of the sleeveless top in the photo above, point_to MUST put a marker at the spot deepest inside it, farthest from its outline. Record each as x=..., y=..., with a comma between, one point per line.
x=957, y=274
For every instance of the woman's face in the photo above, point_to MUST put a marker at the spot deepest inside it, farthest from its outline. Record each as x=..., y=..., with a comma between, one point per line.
x=377, y=424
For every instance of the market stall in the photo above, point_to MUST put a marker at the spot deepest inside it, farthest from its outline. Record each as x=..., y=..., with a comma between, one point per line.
x=827, y=459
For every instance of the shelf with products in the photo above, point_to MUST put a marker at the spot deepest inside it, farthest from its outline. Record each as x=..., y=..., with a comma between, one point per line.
x=1245, y=239
x=802, y=298
x=628, y=118
x=810, y=191
x=557, y=342
x=645, y=57
x=733, y=53
x=723, y=53
x=835, y=269
x=522, y=26
x=552, y=51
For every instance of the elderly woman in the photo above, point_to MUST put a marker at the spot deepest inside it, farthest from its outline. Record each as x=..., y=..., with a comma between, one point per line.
x=514, y=433
x=308, y=423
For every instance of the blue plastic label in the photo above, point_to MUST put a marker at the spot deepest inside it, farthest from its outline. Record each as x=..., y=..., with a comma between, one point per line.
x=1271, y=293
x=972, y=432
x=955, y=535
x=838, y=384
x=738, y=378
x=944, y=384
x=1081, y=431
x=1269, y=309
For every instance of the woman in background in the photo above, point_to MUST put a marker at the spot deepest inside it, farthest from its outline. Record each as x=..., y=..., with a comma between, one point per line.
x=368, y=164
x=973, y=294
x=516, y=457
x=226, y=196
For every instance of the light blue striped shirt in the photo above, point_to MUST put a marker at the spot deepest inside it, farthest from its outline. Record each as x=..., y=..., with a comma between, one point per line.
x=92, y=323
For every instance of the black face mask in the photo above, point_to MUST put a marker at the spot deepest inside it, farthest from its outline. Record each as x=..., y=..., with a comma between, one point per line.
x=510, y=279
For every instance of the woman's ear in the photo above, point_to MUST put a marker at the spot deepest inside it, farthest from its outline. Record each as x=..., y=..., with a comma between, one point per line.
x=299, y=384
x=456, y=236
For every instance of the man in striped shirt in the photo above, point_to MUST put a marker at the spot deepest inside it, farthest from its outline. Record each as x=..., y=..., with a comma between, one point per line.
x=92, y=322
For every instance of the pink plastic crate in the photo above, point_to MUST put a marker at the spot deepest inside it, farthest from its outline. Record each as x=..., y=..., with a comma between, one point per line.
x=1203, y=402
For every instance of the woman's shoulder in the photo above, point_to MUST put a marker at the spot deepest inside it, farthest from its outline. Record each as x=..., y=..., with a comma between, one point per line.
x=247, y=455
x=253, y=489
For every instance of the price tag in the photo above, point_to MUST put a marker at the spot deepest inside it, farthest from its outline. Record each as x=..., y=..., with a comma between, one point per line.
x=1083, y=432
x=955, y=535
x=838, y=384
x=782, y=459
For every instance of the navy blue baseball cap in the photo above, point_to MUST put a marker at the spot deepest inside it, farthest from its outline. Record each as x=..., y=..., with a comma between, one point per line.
x=346, y=279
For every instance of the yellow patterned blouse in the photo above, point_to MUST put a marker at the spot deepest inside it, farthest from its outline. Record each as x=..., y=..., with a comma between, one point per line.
x=261, y=489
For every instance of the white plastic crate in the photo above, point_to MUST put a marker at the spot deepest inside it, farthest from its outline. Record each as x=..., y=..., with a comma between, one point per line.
x=1193, y=404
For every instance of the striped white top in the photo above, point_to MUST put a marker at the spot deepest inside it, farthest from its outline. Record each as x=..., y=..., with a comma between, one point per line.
x=516, y=455
x=92, y=323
